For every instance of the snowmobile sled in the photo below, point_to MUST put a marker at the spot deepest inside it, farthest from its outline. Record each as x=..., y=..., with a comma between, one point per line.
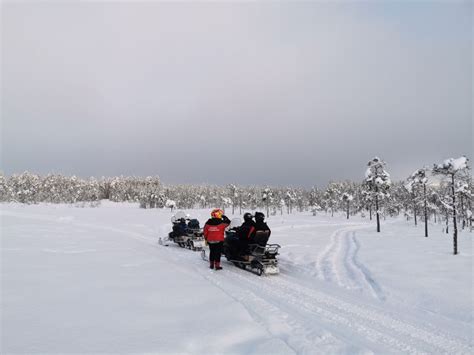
x=259, y=257
x=186, y=232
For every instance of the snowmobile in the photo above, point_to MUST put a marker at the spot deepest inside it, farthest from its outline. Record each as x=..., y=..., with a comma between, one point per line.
x=259, y=258
x=186, y=232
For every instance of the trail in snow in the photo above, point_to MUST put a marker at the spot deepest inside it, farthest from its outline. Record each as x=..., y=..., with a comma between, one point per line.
x=338, y=262
x=305, y=316
x=306, y=319
x=316, y=318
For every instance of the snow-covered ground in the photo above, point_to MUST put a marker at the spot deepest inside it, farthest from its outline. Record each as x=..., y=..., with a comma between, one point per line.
x=95, y=280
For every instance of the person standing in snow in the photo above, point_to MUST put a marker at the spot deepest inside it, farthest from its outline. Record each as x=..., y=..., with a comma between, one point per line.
x=214, y=230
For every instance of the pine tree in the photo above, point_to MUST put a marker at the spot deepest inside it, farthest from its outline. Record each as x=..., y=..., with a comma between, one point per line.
x=450, y=169
x=416, y=181
x=378, y=182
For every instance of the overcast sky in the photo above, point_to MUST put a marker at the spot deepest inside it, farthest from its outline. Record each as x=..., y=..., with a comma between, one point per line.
x=244, y=92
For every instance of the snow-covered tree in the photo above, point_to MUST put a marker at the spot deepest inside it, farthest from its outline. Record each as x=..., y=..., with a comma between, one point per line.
x=170, y=204
x=281, y=205
x=464, y=191
x=25, y=187
x=289, y=199
x=267, y=199
x=417, y=181
x=104, y=186
x=347, y=198
x=4, y=189
x=233, y=195
x=450, y=169
x=226, y=201
x=366, y=199
x=378, y=182
x=315, y=208
x=331, y=197
x=315, y=197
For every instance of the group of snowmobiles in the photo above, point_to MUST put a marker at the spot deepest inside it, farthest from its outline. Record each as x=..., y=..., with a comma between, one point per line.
x=258, y=256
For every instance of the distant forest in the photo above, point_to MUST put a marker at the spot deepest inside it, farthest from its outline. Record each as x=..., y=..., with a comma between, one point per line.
x=420, y=194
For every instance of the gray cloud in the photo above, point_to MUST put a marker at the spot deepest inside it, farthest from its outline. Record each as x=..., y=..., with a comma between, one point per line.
x=278, y=93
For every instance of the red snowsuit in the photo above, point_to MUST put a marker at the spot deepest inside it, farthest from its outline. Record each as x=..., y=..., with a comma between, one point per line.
x=214, y=231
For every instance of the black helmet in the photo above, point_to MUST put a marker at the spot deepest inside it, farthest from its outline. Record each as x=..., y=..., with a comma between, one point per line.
x=182, y=220
x=248, y=217
x=259, y=216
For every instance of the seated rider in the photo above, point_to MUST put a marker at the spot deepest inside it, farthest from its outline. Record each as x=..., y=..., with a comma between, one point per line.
x=179, y=229
x=260, y=225
x=245, y=233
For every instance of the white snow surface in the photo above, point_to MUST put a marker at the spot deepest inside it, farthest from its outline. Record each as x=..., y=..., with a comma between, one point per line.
x=95, y=280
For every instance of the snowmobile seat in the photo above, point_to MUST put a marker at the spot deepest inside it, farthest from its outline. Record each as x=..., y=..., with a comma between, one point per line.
x=178, y=230
x=261, y=237
x=258, y=243
x=231, y=234
x=231, y=244
x=193, y=224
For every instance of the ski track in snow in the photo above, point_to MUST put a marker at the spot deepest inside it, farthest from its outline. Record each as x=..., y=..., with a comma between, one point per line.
x=306, y=319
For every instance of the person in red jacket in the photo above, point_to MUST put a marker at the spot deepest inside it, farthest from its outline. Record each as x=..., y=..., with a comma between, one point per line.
x=214, y=230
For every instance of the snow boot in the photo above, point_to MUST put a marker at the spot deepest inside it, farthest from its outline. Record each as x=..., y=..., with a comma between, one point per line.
x=211, y=266
x=218, y=265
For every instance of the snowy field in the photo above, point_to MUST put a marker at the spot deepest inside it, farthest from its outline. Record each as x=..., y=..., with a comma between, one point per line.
x=95, y=280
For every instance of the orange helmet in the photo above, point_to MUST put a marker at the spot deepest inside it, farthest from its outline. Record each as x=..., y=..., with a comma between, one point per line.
x=217, y=213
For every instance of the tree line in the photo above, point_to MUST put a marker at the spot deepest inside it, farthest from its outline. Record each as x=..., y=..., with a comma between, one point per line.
x=442, y=192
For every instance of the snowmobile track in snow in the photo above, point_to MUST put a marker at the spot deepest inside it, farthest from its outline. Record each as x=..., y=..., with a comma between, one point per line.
x=290, y=328
x=305, y=309
x=305, y=318
x=314, y=316
x=338, y=262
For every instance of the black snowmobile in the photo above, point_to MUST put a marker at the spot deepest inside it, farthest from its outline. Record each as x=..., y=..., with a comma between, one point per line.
x=186, y=232
x=258, y=257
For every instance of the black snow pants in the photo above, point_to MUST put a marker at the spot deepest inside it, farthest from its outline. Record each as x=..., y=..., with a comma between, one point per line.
x=215, y=251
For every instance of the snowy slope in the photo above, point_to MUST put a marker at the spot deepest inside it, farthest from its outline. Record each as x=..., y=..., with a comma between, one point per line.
x=95, y=280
